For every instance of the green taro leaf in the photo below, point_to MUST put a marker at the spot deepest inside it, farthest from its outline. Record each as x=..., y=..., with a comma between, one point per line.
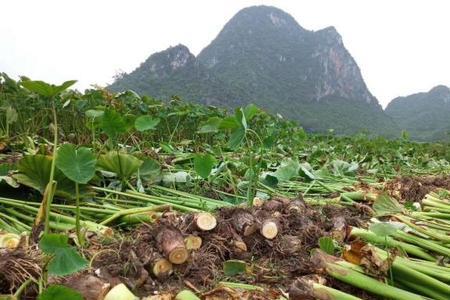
x=236, y=138
x=65, y=259
x=77, y=164
x=251, y=111
x=144, y=123
x=212, y=125
x=234, y=267
x=383, y=229
x=288, y=169
x=122, y=164
x=203, y=164
x=34, y=172
x=229, y=123
x=56, y=292
x=113, y=124
x=11, y=115
x=150, y=168
x=45, y=89
x=94, y=113
x=326, y=244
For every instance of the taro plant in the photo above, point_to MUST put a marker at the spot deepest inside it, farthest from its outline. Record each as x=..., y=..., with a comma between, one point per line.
x=62, y=259
x=241, y=133
x=79, y=166
x=49, y=92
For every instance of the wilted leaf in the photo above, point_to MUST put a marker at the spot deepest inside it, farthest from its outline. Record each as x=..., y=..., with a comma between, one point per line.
x=383, y=229
x=385, y=205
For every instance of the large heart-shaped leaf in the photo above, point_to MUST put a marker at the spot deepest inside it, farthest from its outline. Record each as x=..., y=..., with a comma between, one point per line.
x=288, y=169
x=211, y=125
x=56, y=291
x=236, y=138
x=113, y=124
x=77, y=164
x=46, y=90
x=144, y=123
x=65, y=259
x=122, y=164
x=34, y=172
x=203, y=164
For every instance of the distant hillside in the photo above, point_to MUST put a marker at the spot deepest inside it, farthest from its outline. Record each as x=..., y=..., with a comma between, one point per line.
x=263, y=56
x=426, y=116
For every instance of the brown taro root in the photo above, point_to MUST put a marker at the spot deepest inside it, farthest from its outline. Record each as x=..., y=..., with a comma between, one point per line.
x=171, y=243
x=296, y=206
x=274, y=205
x=244, y=222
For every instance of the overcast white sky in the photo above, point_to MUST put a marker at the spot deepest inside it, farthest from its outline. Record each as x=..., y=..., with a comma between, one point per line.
x=401, y=46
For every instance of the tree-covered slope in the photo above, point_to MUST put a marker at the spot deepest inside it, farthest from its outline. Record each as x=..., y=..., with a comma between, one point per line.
x=263, y=56
x=426, y=116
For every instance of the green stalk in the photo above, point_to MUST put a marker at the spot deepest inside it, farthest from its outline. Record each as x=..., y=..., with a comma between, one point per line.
x=371, y=237
x=132, y=211
x=17, y=223
x=53, y=225
x=242, y=286
x=325, y=293
x=51, y=183
x=423, y=243
x=146, y=198
x=77, y=215
x=402, y=267
x=429, y=232
x=333, y=267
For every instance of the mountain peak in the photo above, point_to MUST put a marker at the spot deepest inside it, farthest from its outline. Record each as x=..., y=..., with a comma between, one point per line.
x=441, y=89
x=263, y=56
x=330, y=34
x=267, y=15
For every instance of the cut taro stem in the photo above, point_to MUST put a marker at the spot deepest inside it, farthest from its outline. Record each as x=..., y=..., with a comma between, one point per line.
x=161, y=267
x=205, y=221
x=186, y=295
x=193, y=242
x=171, y=243
x=269, y=229
x=313, y=288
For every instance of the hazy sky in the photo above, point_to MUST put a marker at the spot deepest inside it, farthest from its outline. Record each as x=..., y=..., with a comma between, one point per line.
x=401, y=46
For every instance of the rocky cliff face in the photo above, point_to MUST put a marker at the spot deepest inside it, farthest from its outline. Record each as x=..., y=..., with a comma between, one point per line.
x=426, y=116
x=263, y=56
x=339, y=74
